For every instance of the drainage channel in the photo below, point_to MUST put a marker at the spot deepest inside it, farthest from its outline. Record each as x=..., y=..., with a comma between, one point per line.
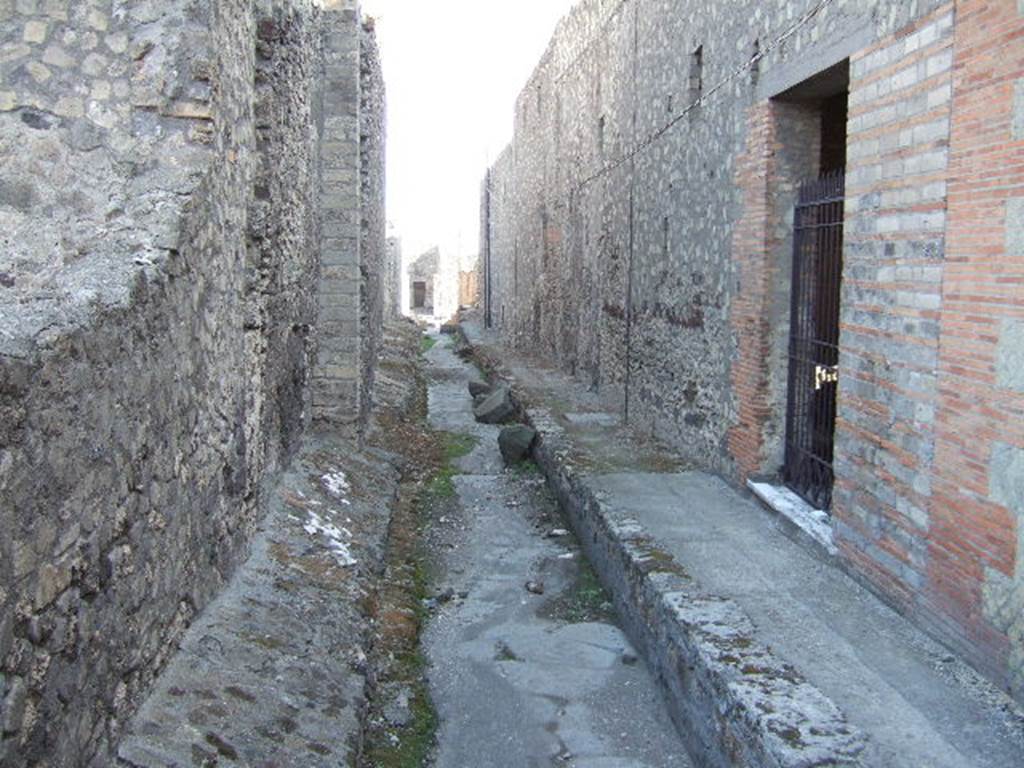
x=526, y=665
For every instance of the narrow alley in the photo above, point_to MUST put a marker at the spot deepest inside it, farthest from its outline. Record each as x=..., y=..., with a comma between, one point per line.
x=527, y=666
x=512, y=384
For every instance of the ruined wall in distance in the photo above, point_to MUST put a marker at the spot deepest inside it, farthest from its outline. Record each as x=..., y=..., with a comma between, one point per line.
x=393, y=279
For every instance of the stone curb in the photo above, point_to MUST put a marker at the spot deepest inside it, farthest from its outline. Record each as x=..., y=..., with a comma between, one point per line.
x=734, y=701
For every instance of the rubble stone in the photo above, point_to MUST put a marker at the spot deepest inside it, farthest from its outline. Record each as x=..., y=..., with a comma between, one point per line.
x=496, y=407
x=515, y=443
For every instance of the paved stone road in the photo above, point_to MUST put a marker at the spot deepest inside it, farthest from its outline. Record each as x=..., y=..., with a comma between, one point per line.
x=524, y=679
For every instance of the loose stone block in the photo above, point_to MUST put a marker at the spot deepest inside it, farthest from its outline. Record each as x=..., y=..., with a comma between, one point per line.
x=515, y=443
x=496, y=408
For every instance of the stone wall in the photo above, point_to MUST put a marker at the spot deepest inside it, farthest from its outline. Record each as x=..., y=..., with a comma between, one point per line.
x=160, y=207
x=393, y=279
x=469, y=288
x=638, y=232
x=354, y=249
x=373, y=241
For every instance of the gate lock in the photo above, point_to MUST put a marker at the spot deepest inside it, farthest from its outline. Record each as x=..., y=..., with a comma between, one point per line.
x=825, y=374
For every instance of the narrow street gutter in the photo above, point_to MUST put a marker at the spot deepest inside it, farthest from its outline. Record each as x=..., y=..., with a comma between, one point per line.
x=734, y=701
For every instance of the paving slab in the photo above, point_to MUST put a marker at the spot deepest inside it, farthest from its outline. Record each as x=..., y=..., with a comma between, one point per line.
x=768, y=654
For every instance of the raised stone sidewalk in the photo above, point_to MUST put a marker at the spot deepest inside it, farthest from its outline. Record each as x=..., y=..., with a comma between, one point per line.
x=768, y=655
x=274, y=672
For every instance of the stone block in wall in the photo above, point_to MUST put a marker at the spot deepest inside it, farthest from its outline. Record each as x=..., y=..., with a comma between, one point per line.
x=1010, y=355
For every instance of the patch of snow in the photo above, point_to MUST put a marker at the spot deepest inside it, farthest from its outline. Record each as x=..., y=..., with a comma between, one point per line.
x=336, y=484
x=337, y=538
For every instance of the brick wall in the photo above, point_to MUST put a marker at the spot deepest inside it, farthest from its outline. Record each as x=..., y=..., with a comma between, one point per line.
x=900, y=95
x=783, y=150
x=749, y=312
x=975, y=566
x=930, y=439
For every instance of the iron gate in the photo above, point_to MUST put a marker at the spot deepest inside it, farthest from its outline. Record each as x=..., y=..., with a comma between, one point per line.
x=814, y=339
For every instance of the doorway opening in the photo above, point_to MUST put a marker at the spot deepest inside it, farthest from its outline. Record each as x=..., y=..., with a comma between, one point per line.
x=419, y=295
x=815, y=291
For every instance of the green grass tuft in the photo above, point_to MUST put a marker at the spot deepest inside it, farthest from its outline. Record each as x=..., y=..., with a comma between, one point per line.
x=458, y=445
x=527, y=468
x=427, y=343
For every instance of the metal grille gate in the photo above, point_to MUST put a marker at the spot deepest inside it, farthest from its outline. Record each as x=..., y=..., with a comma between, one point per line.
x=814, y=339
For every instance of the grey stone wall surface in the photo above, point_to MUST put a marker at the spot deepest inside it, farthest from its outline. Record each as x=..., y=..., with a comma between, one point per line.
x=392, y=288
x=613, y=211
x=374, y=253
x=160, y=214
x=354, y=247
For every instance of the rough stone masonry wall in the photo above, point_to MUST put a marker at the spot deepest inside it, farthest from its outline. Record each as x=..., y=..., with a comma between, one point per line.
x=392, y=288
x=661, y=276
x=159, y=201
x=633, y=284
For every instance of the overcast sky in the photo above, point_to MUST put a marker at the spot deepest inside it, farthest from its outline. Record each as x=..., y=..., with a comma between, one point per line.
x=453, y=69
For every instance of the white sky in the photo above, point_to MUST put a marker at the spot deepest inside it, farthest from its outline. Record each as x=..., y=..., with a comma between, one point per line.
x=453, y=69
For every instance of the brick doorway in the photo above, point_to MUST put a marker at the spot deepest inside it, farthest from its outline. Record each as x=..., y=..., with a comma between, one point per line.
x=819, y=116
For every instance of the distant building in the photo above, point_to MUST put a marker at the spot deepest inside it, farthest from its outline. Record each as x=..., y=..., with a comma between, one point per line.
x=423, y=274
